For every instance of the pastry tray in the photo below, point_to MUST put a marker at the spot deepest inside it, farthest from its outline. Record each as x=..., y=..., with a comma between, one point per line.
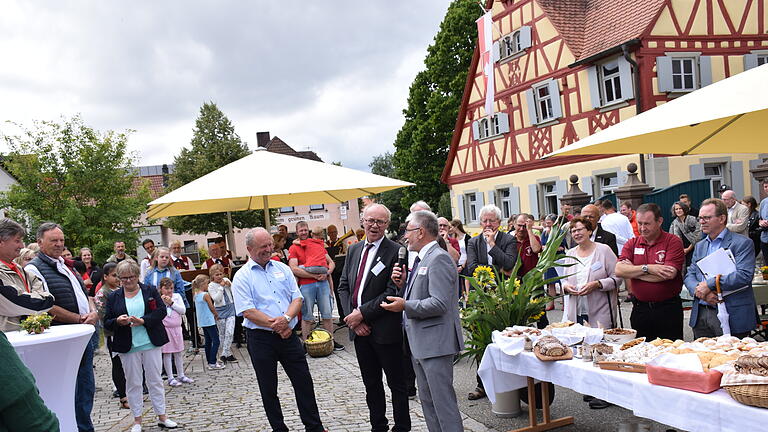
x=621, y=366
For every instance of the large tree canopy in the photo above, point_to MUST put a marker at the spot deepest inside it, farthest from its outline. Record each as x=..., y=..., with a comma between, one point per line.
x=421, y=146
x=78, y=177
x=214, y=144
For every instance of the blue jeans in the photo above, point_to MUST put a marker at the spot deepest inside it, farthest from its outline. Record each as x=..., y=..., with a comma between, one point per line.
x=211, y=343
x=86, y=386
x=316, y=293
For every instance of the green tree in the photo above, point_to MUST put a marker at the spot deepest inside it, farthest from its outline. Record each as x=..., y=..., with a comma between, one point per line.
x=421, y=145
x=78, y=177
x=382, y=165
x=214, y=144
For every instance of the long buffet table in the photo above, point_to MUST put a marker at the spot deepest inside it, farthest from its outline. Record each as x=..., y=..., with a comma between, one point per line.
x=681, y=409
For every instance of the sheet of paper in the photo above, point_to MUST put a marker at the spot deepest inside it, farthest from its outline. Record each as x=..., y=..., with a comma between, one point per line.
x=720, y=262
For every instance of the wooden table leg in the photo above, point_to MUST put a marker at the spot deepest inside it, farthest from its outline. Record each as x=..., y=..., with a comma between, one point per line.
x=533, y=421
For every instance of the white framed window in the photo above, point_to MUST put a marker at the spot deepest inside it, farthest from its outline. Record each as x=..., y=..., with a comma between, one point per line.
x=607, y=183
x=490, y=126
x=512, y=44
x=755, y=58
x=610, y=82
x=683, y=72
x=287, y=209
x=544, y=102
x=504, y=198
x=471, y=209
x=549, y=196
x=316, y=207
x=716, y=173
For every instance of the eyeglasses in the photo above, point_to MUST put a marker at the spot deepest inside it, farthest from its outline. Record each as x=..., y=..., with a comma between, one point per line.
x=489, y=221
x=412, y=229
x=705, y=218
x=378, y=222
x=127, y=278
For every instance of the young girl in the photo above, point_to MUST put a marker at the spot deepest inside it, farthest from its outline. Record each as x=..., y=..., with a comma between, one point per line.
x=107, y=285
x=175, y=346
x=163, y=267
x=206, y=319
x=220, y=290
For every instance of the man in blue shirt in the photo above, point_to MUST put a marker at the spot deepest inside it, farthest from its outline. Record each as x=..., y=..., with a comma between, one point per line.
x=740, y=300
x=764, y=223
x=267, y=296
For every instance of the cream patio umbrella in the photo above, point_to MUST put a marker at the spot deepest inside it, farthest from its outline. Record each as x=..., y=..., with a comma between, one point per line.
x=264, y=180
x=728, y=116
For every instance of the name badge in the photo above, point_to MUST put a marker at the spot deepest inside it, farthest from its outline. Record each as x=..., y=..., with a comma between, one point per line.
x=597, y=265
x=278, y=275
x=422, y=271
x=639, y=251
x=378, y=268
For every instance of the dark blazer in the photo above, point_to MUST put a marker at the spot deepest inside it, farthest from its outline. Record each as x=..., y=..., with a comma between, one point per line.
x=606, y=238
x=504, y=252
x=741, y=306
x=154, y=312
x=385, y=326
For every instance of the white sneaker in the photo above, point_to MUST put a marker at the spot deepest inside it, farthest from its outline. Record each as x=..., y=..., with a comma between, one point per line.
x=174, y=383
x=186, y=380
x=136, y=428
x=168, y=423
x=216, y=366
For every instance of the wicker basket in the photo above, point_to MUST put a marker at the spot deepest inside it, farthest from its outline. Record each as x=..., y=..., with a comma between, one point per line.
x=320, y=349
x=753, y=394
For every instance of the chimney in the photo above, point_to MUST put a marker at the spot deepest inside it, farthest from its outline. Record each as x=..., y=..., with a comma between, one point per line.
x=262, y=139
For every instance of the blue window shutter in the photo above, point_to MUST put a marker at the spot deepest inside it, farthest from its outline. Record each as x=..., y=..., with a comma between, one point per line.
x=460, y=203
x=594, y=87
x=625, y=75
x=476, y=130
x=496, y=51
x=480, y=202
x=503, y=121
x=586, y=186
x=525, y=37
x=514, y=198
x=705, y=70
x=561, y=187
x=492, y=197
x=664, y=73
x=622, y=177
x=737, y=178
x=554, y=91
x=531, y=107
x=533, y=197
x=750, y=61
x=697, y=171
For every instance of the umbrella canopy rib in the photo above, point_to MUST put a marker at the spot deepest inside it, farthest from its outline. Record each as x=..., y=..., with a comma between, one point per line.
x=715, y=132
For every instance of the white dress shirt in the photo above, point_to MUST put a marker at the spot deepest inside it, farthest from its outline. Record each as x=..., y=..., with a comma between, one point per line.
x=368, y=263
x=618, y=225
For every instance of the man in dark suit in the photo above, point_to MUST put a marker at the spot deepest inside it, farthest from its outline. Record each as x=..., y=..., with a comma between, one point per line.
x=495, y=248
x=592, y=213
x=377, y=334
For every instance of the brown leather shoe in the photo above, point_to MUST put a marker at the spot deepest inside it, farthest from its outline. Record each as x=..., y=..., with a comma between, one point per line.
x=477, y=394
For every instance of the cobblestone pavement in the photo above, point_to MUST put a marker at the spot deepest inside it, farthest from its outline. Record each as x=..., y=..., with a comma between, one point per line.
x=229, y=400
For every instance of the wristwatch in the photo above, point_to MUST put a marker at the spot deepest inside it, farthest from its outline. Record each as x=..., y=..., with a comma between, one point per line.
x=287, y=318
x=645, y=268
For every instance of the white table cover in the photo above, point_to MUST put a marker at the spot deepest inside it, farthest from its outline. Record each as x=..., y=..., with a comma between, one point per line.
x=681, y=409
x=54, y=358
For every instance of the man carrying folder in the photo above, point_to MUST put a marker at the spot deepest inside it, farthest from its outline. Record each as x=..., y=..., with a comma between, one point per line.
x=736, y=286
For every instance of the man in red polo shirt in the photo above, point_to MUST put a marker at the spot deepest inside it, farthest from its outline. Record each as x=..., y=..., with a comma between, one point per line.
x=528, y=244
x=654, y=261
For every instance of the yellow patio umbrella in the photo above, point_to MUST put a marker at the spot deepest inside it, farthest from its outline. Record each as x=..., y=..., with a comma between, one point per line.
x=264, y=180
x=729, y=116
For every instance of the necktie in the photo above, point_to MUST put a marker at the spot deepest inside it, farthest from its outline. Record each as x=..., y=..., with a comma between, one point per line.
x=217, y=261
x=360, y=273
x=410, y=276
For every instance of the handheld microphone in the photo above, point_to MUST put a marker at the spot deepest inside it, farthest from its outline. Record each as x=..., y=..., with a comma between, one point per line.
x=402, y=262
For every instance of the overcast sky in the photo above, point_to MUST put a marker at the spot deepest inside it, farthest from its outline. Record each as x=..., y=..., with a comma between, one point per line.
x=329, y=76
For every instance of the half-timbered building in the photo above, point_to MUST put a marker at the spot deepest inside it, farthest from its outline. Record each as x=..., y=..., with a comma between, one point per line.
x=565, y=69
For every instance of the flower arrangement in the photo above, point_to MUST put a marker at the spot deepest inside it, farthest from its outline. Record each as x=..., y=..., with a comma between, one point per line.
x=497, y=301
x=764, y=271
x=36, y=323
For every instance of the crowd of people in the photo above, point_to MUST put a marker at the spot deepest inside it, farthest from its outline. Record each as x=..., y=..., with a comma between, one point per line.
x=397, y=292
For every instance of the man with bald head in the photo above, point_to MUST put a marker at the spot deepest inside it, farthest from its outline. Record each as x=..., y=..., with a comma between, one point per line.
x=738, y=214
x=599, y=235
x=267, y=296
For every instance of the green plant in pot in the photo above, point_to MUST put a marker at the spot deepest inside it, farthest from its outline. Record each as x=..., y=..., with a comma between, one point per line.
x=497, y=301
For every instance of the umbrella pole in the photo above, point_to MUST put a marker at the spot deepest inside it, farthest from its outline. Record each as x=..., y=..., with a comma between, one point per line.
x=231, y=235
x=267, y=225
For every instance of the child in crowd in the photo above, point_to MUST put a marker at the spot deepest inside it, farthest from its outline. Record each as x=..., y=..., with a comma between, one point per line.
x=206, y=319
x=172, y=350
x=109, y=283
x=314, y=252
x=220, y=291
x=162, y=266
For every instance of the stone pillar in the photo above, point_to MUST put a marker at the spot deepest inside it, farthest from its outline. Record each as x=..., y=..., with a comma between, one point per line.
x=575, y=197
x=760, y=173
x=633, y=190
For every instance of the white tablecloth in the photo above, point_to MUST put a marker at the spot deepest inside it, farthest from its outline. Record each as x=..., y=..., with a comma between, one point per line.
x=54, y=358
x=681, y=409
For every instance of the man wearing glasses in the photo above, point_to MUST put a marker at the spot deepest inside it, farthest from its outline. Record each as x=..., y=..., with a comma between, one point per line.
x=654, y=262
x=737, y=285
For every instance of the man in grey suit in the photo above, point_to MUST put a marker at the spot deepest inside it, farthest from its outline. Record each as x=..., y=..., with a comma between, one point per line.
x=431, y=314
